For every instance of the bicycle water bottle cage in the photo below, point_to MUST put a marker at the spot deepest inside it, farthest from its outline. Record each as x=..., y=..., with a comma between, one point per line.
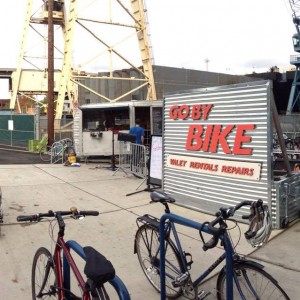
x=97, y=268
x=150, y=221
x=188, y=260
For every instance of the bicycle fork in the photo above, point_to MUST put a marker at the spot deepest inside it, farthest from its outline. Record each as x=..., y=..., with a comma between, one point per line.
x=53, y=288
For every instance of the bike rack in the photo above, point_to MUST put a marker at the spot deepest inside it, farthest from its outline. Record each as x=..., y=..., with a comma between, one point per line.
x=116, y=282
x=198, y=226
x=58, y=150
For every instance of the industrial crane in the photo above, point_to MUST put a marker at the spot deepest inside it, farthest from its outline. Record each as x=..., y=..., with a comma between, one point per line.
x=295, y=59
x=87, y=21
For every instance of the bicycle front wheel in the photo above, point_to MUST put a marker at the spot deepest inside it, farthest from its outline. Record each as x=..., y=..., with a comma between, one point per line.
x=43, y=278
x=250, y=282
x=45, y=153
x=147, y=248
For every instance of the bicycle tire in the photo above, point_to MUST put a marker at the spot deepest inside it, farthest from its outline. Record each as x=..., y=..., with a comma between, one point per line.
x=264, y=285
x=147, y=243
x=45, y=154
x=43, y=278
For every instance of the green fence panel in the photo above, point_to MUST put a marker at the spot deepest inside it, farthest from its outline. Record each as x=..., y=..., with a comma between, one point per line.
x=23, y=129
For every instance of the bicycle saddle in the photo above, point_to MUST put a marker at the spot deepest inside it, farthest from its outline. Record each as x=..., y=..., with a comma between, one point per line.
x=97, y=267
x=162, y=197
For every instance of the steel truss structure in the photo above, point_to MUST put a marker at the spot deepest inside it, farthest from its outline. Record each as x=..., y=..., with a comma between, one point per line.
x=294, y=98
x=94, y=40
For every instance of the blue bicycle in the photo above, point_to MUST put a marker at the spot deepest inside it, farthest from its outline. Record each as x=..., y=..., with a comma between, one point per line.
x=167, y=266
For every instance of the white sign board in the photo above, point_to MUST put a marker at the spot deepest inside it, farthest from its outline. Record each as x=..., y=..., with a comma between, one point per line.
x=156, y=157
x=10, y=125
x=226, y=168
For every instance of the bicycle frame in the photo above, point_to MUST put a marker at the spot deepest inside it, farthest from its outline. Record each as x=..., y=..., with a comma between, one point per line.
x=63, y=274
x=63, y=279
x=164, y=230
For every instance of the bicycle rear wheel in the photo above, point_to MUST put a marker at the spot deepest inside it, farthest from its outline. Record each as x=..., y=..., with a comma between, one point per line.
x=254, y=283
x=43, y=278
x=147, y=248
x=45, y=153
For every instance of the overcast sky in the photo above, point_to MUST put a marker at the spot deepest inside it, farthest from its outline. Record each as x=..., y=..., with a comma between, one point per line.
x=235, y=36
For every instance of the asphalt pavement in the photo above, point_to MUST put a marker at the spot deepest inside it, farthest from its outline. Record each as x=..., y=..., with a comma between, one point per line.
x=31, y=188
x=16, y=156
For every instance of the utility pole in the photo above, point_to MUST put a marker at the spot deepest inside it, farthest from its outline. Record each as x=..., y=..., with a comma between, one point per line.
x=50, y=111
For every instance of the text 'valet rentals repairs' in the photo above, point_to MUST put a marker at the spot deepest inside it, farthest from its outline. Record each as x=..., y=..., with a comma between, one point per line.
x=208, y=140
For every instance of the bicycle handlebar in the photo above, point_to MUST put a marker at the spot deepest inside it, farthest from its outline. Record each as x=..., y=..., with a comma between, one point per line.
x=224, y=214
x=50, y=214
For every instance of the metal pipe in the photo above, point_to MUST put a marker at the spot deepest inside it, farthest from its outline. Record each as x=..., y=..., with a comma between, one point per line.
x=50, y=74
x=280, y=137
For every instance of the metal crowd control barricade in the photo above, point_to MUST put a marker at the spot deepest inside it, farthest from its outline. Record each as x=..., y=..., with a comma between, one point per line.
x=124, y=157
x=132, y=159
x=138, y=160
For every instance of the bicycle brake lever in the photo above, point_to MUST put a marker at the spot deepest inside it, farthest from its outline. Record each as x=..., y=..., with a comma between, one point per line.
x=210, y=244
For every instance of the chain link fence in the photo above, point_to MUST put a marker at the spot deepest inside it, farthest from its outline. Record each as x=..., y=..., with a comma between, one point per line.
x=18, y=130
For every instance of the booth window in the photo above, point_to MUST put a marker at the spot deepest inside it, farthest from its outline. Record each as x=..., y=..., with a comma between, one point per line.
x=105, y=119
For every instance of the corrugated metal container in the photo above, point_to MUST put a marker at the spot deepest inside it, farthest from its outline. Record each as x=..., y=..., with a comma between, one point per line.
x=231, y=160
x=286, y=200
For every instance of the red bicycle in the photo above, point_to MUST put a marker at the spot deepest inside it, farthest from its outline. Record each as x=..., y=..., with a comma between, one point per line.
x=51, y=273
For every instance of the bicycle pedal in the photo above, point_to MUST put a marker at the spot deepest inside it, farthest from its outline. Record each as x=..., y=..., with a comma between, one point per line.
x=202, y=295
x=180, y=280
